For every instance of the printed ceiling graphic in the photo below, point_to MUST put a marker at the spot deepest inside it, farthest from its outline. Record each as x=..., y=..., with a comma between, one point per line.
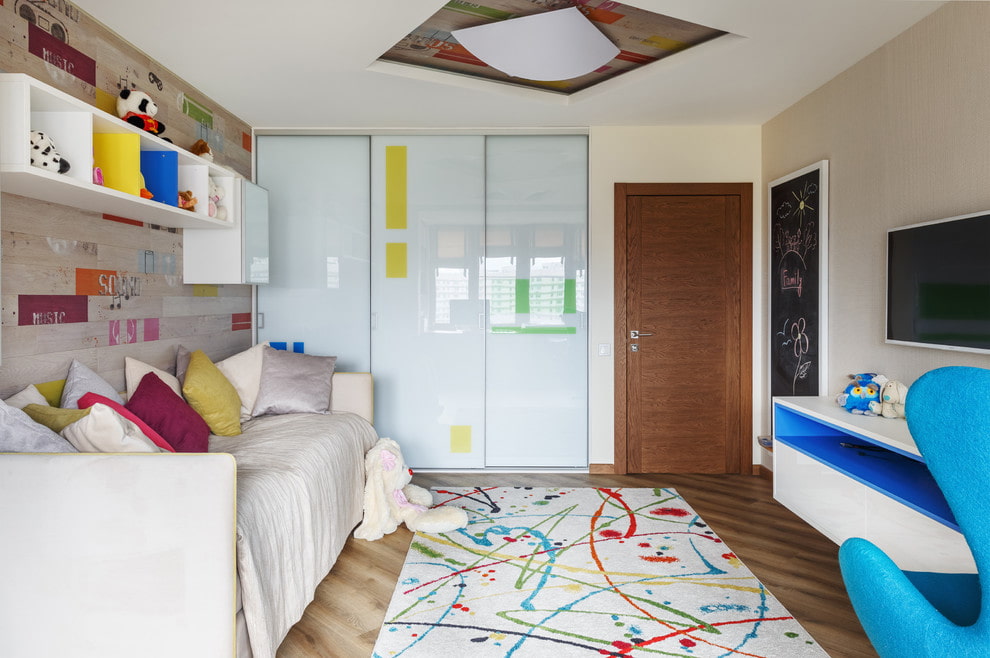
x=642, y=37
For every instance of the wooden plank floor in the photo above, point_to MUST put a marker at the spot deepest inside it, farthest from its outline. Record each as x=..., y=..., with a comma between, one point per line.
x=796, y=563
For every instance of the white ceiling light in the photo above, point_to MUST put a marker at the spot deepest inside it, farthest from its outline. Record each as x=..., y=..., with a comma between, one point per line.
x=554, y=45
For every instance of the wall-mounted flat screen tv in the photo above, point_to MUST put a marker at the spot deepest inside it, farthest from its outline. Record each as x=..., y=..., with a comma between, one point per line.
x=938, y=283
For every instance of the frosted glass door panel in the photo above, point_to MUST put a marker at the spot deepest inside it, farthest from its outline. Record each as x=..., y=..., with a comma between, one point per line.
x=428, y=335
x=320, y=288
x=536, y=372
x=254, y=215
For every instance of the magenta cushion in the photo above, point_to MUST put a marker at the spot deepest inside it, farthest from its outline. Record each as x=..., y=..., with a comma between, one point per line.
x=89, y=399
x=169, y=415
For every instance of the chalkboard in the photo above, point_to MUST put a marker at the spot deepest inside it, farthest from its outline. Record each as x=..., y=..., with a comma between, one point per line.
x=798, y=208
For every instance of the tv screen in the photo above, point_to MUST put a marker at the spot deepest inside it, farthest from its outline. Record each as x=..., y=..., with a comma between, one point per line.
x=938, y=283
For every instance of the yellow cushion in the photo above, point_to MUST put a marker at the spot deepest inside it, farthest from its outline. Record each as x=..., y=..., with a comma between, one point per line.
x=54, y=418
x=52, y=391
x=212, y=395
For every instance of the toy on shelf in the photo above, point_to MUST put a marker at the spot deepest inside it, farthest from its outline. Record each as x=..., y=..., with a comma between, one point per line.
x=187, y=201
x=864, y=389
x=202, y=149
x=893, y=395
x=136, y=108
x=215, y=210
x=44, y=155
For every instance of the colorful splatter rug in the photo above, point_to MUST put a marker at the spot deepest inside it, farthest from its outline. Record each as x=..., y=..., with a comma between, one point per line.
x=581, y=572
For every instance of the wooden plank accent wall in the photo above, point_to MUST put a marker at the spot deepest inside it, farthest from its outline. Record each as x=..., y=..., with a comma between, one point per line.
x=93, y=64
x=76, y=285
x=139, y=306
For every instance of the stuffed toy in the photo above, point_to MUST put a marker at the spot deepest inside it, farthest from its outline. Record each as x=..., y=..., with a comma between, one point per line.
x=202, y=149
x=44, y=155
x=187, y=201
x=136, y=108
x=217, y=194
x=864, y=389
x=893, y=395
x=390, y=498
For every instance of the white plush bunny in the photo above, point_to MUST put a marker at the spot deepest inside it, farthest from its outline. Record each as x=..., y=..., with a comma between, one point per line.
x=391, y=499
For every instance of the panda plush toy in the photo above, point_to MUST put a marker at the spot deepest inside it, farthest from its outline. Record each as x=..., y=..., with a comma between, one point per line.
x=43, y=153
x=136, y=108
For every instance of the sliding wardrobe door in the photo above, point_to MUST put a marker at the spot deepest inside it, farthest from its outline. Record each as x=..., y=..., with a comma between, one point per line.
x=428, y=311
x=536, y=367
x=320, y=291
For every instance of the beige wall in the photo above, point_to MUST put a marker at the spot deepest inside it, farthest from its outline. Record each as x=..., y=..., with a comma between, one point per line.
x=657, y=155
x=905, y=133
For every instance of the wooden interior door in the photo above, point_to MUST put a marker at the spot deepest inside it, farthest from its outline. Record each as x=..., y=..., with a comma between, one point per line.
x=684, y=282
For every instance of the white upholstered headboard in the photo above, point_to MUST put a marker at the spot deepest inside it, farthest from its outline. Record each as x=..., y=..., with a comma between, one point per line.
x=354, y=392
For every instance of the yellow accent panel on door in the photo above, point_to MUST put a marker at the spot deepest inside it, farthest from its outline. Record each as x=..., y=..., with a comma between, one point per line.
x=395, y=187
x=460, y=438
x=395, y=260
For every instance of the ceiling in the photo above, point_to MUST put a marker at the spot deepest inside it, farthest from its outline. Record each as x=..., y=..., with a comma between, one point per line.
x=313, y=63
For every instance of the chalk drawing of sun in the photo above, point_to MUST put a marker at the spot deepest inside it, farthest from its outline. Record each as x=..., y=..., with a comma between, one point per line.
x=802, y=197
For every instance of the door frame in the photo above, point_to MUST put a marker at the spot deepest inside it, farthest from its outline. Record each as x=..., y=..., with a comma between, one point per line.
x=744, y=447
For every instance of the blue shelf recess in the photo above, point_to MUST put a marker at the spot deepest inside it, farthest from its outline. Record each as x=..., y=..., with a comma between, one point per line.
x=895, y=473
x=161, y=175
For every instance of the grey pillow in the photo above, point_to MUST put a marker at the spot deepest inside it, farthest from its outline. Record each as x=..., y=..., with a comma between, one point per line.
x=18, y=433
x=82, y=380
x=181, y=363
x=294, y=383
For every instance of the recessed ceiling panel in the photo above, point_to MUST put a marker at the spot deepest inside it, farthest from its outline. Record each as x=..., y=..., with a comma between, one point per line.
x=641, y=36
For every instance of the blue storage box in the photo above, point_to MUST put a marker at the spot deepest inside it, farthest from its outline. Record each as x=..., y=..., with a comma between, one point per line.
x=161, y=175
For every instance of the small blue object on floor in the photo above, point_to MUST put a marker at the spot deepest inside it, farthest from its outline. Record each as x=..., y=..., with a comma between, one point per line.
x=930, y=615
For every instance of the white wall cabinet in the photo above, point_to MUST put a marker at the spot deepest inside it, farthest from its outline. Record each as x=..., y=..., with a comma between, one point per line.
x=862, y=476
x=27, y=104
x=237, y=255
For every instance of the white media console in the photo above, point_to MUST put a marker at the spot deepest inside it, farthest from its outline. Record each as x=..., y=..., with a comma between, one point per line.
x=849, y=475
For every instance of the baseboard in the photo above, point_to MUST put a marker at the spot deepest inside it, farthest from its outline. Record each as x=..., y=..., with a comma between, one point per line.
x=609, y=469
x=763, y=472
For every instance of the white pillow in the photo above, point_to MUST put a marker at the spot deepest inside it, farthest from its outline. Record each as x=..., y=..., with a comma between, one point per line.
x=104, y=430
x=134, y=372
x=30, y=395
x=243, y=370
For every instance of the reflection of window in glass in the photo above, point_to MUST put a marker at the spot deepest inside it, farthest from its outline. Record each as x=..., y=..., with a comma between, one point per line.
x=546, y=291
x=581, y=289
x=333, y=272
x=259, y=268
x=451, y=285
x=450, y=243
x=500, y=279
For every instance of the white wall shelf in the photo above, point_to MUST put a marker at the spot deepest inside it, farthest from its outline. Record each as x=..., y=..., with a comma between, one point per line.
x=27, y=104
x=862, y=476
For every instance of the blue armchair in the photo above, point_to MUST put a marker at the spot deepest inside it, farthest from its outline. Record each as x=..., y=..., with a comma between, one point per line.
x=931, y=615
